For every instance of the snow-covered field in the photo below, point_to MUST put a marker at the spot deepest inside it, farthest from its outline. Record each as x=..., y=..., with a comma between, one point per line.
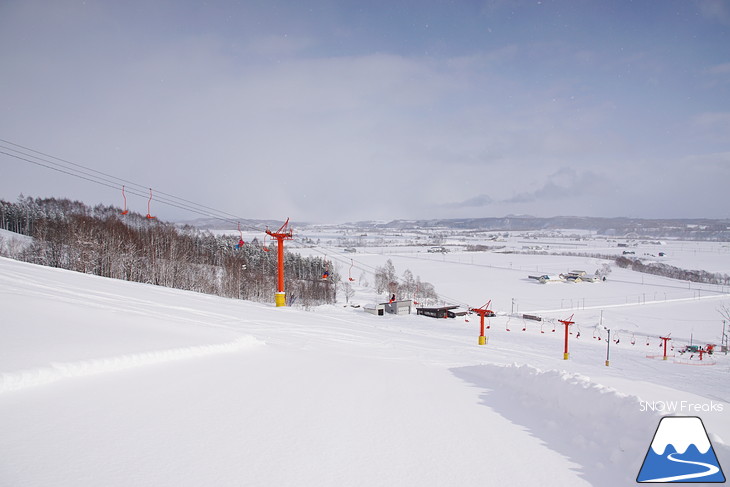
x=112, y=383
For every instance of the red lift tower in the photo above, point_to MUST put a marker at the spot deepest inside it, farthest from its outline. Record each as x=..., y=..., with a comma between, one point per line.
x=482, y=312
x=567, y=324
x=666, y=339
x=280, y=235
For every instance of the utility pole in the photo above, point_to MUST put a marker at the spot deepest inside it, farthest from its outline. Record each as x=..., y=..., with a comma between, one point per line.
x=724, y=338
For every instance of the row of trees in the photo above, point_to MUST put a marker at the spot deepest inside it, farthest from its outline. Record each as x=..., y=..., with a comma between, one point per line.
x=656, y=268
x=100, y=241
x=408, y=286
x=661, y=269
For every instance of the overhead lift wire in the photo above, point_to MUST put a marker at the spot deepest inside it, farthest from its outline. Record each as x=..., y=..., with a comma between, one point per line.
x=104, y=179
x=111, y=183
x=80, y=171
x=102, y=182
x=344, y=259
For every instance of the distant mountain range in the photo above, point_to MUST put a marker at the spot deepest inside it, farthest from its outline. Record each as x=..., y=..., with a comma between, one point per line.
x=686, y=228
x=220, y=224
x=700, y=228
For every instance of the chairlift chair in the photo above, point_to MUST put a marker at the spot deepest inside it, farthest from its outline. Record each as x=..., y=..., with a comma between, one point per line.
x=241, y=243
x=149, y=202
x=125, y=210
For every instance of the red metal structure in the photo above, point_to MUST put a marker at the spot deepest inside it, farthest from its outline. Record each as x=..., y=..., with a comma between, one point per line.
x=149, y=202
x=567, y=324
x=482, y=312
x=283, y=233
x=241, y=243
x=666, y=339
x=125, y=210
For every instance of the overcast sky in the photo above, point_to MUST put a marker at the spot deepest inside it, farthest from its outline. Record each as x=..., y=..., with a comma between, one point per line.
x=336, y=111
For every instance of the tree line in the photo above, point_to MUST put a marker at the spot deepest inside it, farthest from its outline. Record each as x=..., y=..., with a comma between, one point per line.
x=655, y=268
x=99, y=240
x=666, y=270
x=408, y=286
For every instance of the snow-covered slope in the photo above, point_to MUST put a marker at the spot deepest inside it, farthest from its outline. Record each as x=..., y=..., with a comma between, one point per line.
x=11, y=242
x=112, y=383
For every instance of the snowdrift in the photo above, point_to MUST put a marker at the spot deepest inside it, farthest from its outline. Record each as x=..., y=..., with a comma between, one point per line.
x=12, y=381
x=595, y=426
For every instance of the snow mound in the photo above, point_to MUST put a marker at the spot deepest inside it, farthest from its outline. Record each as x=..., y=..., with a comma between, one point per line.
x=597, y=427
x=13, y=243
x=12, y=381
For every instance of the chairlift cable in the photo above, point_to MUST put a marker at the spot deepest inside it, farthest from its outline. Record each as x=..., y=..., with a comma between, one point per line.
x=80, y=171
x=107, y=177
x=104, y=179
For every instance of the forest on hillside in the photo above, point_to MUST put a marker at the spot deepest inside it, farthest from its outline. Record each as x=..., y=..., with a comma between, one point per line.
x=99, y=240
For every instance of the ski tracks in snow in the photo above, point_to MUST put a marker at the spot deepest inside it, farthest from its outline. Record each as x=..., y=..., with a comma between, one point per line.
x=23, y=379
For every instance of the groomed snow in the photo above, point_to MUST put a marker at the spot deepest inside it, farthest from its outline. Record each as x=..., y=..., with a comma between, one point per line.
x=112, y=383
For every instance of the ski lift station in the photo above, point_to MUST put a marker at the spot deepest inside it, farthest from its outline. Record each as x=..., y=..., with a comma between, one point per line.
x=396, y=307
x=442, y=312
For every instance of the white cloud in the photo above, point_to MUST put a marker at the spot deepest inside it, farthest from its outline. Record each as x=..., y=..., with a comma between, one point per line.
x=716, y=10
x=723, y=68
x=270, y=122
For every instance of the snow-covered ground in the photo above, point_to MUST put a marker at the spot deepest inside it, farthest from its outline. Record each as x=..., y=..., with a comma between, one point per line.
x=11, y=242
x=112, y=383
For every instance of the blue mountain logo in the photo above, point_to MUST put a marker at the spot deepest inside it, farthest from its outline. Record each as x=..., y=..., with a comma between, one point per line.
x=681, y=452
